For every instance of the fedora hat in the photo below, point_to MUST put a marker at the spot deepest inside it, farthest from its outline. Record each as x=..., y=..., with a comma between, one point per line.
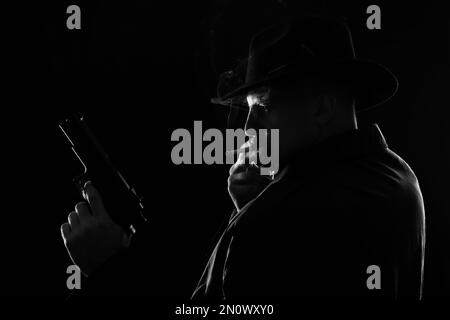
x=299, y=48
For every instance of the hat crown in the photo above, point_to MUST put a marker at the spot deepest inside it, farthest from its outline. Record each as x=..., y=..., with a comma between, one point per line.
x=298, y=41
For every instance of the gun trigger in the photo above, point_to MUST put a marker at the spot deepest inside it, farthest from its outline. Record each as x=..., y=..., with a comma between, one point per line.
x=80, y=182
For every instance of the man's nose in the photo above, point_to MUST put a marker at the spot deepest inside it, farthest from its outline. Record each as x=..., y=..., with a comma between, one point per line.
x=252, y=125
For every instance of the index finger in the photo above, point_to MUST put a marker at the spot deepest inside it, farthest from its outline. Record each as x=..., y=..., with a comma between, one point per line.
x=92, y=196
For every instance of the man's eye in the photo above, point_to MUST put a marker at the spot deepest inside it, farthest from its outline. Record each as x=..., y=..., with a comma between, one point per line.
x=262, y=107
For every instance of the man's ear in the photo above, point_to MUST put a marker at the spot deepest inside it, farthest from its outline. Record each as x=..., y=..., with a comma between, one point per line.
x=325, y=109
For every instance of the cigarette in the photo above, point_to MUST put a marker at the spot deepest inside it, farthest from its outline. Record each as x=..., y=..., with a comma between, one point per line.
x=236, y=151
x=239, y=151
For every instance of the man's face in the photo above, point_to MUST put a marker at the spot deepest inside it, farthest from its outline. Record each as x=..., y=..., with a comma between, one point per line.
x=288, y=110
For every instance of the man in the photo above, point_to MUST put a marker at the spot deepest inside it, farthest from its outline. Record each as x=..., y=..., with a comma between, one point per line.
x=341, y=205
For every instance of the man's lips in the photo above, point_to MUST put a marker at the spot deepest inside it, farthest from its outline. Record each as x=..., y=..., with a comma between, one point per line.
x=242, y=176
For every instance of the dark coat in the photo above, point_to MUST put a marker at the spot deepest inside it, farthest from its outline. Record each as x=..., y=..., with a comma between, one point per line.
x=341, y=207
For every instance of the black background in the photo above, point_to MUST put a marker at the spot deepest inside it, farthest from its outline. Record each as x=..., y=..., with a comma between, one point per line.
x=140, y=69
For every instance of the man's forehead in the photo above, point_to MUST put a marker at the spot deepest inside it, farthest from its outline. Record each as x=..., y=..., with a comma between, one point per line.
x=260, y=91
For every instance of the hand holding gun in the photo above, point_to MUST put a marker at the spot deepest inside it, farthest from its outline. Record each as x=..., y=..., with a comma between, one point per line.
x=97, y=230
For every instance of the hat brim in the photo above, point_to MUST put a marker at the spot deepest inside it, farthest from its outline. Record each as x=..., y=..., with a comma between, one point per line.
x=372, y=83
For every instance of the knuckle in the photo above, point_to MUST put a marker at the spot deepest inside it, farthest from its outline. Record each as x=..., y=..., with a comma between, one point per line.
x=72, y=214
x=64, y=230
x=80, y=206
x=68, y=239
x=72, y=217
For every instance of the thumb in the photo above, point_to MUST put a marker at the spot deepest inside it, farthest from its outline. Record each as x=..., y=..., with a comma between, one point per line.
x=92, y=196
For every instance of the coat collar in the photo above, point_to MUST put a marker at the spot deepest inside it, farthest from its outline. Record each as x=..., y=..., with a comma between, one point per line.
x=348, y=145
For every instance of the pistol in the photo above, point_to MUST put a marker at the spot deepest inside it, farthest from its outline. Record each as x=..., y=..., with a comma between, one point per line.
x=122, y=201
